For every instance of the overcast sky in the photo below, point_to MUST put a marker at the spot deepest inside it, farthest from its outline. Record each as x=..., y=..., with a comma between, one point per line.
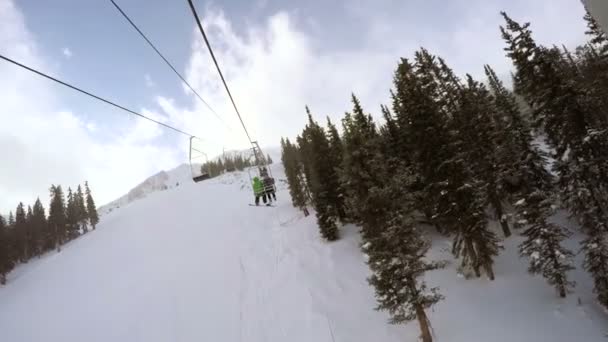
x=278, y=56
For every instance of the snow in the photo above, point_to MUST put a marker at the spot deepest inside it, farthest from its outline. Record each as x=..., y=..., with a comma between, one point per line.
x=196, y=263
x=535, y=255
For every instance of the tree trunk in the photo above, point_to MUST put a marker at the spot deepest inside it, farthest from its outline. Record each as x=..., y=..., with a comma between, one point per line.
x=425, y=331
x=499, y=213
x=488, y=267
x=559, y=282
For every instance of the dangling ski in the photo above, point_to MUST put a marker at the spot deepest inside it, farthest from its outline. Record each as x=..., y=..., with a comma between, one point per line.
x=262, y=205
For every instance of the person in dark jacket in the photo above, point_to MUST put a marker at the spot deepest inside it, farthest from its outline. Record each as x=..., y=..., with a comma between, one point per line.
x=269, y=188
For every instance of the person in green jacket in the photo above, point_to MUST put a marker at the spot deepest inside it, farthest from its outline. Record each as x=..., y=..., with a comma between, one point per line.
x=258, y=190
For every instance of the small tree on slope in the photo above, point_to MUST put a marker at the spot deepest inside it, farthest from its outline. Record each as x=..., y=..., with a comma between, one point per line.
x=57, y=219
x=81, y=210
x=336, y=155
x=39, y=226
x=294, y=175
x=396, y=258
x=72, y=215
x=543, y=244
x=20, y=233
x=6, y=262
x=324, y=179
x=91, y=208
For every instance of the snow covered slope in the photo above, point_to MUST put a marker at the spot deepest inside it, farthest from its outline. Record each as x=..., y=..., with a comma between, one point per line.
x=196, y=263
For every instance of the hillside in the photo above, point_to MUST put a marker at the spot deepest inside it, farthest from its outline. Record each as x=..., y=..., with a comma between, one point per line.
x=196, y=263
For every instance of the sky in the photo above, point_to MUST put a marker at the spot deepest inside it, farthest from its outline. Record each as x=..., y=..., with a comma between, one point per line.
x=277, y=56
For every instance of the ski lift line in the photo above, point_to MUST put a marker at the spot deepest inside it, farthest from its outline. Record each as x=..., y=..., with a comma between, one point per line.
x=200, y=27
x=168, y=63
x=39, y=73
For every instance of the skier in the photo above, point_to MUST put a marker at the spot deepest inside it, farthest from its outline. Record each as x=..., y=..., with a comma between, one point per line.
x=258, y=190
x=269, y=187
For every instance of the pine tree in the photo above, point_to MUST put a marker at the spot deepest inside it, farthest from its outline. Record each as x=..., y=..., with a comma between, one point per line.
x=423, y=140
x=336, y=152
x=72, y=215
x=39, y=227
x=6, y=262
x=324, y=179
x=570, y=120
x=294, y=175
x=57, y=232
x=599, y=39
x=82, y=214
x=12, y=237
x=268, y=159
x=543, y=243
x=21, y=226
x=93, y=217
x=361, y=148
x=482, y=141
x=29, y=240
x=397, y=252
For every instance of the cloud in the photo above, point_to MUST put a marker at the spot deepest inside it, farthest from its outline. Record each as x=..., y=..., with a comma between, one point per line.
x=274, y=71
x=276, y=68
x=149, y=82
x=42, y=143
x=67, y=52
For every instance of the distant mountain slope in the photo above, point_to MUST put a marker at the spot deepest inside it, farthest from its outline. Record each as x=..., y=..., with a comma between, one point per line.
x=159, y=182
x=170, y=179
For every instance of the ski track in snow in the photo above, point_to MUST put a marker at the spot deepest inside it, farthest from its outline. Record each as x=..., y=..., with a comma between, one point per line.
x=196, y=263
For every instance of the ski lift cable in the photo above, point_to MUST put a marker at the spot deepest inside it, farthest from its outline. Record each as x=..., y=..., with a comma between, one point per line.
x=200, y=27
x=168, y=63
x=39, y=73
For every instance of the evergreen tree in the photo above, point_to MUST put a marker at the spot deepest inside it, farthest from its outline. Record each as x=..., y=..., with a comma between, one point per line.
x=488, y=149
x=336, y=152
x=39, y=228
x=294, y=175
x=57, y=232
x=324, y=179
x=81, y=210
x=72, y=216
x=268, y=159
x=543, y=243
x=6, y=262
x=599, y=39
x=396, y=258
x=12, y=236
x=20, y=230
x=93, y=217
x=424, y=141
x=29, y=240
x=571, y=122
x=361, y=148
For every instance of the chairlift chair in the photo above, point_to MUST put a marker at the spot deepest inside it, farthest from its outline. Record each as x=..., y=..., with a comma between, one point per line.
x=198, y=160
x=260, y=167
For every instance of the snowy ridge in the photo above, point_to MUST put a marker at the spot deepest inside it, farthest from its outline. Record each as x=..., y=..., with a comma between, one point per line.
x=159, y=182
